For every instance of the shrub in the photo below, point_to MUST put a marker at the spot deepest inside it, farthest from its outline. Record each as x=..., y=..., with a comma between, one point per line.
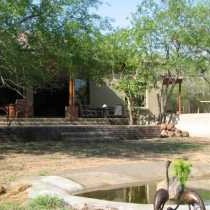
x=11, y=206
x=39, y=203
x=47, y=203
x=181, y=169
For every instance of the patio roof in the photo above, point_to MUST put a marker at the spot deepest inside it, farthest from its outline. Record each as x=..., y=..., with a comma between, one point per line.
x=171, y=79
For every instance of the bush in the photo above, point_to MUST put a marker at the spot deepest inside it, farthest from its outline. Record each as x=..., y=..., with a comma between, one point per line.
x=182, y=170
x=10, y=206
x=47, y=202
x=39, y=203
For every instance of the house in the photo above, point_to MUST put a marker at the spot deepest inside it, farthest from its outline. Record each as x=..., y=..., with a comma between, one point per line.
x=72, y=98
x=81, y=96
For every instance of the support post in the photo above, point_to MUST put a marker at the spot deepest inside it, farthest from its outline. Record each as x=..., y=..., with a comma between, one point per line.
x=179, y=98
x=72, y=108
x=30, y=102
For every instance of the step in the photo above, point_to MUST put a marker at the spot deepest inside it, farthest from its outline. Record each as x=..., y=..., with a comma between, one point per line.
x=97, y=132
x=82, y=132
x=96, y=138
x=52, y=121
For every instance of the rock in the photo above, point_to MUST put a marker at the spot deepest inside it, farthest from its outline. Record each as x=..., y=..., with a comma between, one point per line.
x=85, y=207
x=3, y=190
x=185, y=134
x=24, y=187
x=19, y=189
x=170, y=126
x=163, y=126
x=178, y=133
x=164, y=134
x=171, y=133
x=173, y=129
x=54, y=185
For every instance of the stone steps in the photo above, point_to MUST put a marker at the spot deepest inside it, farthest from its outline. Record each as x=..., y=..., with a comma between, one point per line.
x=4, y=135
x=83, y=132
x=61, y=121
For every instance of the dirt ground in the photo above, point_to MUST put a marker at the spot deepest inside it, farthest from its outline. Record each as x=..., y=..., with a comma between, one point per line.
x=20, y=159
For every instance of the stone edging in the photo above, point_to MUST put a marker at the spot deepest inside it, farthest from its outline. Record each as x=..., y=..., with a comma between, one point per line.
x=64, y=188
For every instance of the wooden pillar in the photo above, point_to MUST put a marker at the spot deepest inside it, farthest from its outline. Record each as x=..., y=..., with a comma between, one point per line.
x=72, y=106
x=30, y=102
x=71, y=92
x=179, y=98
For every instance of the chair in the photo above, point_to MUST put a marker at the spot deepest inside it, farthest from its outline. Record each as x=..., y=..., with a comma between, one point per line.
x=118, y=111
x=21, y=108
x=87, y=111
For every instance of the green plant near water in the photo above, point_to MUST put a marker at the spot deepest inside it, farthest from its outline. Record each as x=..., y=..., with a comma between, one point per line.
x=39, y=203
x=11, y=206
x=182, y=169
x=47, y=202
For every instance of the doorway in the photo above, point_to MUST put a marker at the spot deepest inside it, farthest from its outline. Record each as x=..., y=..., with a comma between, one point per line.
x=51, y=102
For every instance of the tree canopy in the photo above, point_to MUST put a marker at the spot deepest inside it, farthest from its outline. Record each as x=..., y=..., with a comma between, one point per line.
x=44, y=40
x=168, y=37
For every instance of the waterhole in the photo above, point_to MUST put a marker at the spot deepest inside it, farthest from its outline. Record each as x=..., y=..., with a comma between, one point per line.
x=142, y=194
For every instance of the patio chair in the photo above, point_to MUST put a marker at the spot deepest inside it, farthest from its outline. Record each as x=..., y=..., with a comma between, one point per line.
x=21, y=108
x=87, y=111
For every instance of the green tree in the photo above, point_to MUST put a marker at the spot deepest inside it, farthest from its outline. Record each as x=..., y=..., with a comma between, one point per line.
x=128, y=74
x=45, y=40
x=175, y=40
x=182, y=170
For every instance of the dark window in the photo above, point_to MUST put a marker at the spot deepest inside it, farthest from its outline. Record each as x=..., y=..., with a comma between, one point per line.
x=82, y=92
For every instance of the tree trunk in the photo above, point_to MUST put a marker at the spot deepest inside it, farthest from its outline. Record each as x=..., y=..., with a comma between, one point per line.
x=130, y=111
x=163, y=99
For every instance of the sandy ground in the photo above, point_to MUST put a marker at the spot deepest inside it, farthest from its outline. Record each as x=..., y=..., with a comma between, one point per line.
x=19, y=160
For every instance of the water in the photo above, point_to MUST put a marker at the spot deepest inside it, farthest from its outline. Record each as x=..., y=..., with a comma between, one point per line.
x=143, y=194
x=133, y=194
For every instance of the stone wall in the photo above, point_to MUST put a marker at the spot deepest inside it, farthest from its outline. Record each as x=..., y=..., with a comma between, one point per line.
x=198, y=125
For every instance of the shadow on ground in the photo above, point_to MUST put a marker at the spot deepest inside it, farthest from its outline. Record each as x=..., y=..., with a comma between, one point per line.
x=126, y=149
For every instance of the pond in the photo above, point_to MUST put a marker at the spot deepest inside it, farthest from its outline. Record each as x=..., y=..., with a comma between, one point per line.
x=141, y=194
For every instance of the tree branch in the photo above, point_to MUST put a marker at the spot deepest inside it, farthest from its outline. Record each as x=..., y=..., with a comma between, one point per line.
x=28, y=18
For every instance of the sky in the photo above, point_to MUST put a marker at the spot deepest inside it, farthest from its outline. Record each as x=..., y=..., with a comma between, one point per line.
x=119, y=10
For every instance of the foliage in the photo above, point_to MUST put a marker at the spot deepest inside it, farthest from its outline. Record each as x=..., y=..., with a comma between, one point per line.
x=44, y=41
x=175, y=40
x=11, y=206
x=47, y=202
x=130, y=74
x=40, y=203
x=182, y=170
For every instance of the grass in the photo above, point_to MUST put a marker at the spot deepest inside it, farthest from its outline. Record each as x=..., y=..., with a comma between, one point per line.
x=97, y=149
x=12, y=178
x=40, y=203
x=43, y=173
x=47, y=203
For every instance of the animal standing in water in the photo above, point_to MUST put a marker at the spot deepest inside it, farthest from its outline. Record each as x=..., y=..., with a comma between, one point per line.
x=162, y=195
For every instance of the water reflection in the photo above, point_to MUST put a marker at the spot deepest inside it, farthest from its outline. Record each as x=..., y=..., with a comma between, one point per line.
x=136, y=194
x=143, y=194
